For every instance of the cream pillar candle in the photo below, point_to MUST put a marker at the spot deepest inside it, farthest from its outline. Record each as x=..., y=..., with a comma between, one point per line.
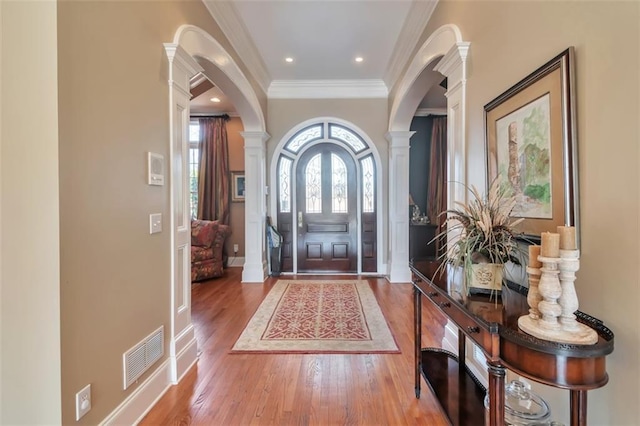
x=534, y=252
x=567, y=237
x=550, y=245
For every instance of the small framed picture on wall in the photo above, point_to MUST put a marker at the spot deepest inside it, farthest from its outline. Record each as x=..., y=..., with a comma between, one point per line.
x=237, y=186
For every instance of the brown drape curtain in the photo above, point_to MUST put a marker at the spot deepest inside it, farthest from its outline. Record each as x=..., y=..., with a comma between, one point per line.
x=213, y=175
x=437, y=190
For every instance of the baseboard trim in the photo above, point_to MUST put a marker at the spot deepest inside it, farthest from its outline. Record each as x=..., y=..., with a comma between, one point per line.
x=186, y=359
x=137, y=405
x=133, y=409
x=235, y=262
x=450, y=338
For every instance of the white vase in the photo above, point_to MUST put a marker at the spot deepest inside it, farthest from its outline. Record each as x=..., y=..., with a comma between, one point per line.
x=486, y=277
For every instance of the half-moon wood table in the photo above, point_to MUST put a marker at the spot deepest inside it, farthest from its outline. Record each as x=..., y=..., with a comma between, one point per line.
x=493, y=327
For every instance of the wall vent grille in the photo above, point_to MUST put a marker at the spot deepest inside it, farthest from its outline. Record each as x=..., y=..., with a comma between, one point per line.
x=139, y=358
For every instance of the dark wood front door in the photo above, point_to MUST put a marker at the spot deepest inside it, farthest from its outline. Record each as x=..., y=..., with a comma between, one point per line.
x=326, y=195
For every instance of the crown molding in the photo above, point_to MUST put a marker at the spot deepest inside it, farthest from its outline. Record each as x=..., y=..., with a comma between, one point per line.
x=197, y=80
x=236, y=32
x=327, y=89
x=424, y=112
x=417, y=19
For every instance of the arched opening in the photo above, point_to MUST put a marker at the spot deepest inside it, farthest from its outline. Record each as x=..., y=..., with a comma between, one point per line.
x=194, y=51
x=329, y=215
x=446, y=53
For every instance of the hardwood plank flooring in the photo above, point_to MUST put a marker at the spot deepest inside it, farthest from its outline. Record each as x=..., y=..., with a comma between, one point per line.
x=297, y=389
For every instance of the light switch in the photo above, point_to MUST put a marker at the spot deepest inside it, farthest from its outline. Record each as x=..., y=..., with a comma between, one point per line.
x=155, y=223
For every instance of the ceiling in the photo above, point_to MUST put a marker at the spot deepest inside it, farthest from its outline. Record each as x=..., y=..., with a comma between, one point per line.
x=323, y=38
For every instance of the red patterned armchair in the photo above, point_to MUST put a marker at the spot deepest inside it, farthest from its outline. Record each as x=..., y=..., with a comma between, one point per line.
x=207, y=243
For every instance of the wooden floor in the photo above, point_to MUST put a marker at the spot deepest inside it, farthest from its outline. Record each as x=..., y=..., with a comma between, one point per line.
x=296, y=389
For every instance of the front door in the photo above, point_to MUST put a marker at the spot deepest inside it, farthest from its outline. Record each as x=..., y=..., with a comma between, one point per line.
x=326, y=195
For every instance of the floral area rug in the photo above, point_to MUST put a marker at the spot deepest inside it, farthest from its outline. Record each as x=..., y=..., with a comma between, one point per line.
x=318, y=317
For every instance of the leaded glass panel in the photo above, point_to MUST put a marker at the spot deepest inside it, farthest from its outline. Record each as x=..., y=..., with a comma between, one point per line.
x=313, y=190
x=339, y=195
x=338, y=132
x=368, y=191
x=304, y=137
x=284, y=175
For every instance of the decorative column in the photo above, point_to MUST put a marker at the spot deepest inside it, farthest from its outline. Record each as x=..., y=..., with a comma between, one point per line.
x=399, y=206
x=182, y=344
x=454, y=66
x=255, y=264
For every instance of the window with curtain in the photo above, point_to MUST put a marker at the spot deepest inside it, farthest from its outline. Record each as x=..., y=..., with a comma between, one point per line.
x=194, y=161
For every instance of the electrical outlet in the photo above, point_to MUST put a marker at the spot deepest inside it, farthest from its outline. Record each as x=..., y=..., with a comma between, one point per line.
x=235, y=248
x=83, y=402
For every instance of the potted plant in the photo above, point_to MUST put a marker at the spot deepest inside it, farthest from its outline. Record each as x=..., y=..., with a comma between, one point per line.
x=482, y=238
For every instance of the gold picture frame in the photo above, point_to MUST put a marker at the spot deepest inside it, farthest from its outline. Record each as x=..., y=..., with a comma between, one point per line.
x=531, y=143
x=237, y=187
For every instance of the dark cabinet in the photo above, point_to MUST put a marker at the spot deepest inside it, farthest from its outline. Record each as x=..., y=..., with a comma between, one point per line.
x=421, y=244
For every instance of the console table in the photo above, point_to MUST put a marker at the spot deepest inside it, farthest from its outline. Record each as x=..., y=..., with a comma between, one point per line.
x=493, y=327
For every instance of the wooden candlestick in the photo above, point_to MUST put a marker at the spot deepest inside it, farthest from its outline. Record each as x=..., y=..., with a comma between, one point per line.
x=533, y=295
x=550, y=291
x=569, y=299
x=557, y=321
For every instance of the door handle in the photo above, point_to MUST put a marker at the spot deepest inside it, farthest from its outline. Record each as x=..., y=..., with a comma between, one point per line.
x=299, y=219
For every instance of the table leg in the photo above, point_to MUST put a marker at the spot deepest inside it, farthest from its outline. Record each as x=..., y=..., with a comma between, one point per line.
x=462, y=351
x=417, y=324
x=578, y=406
x=497, y=374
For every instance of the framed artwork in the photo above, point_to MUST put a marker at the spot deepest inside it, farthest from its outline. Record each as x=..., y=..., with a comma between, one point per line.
x=237, y=186
x=531, y=144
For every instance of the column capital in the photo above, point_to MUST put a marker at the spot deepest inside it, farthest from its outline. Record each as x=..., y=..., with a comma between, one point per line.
x=399, y=138
x=255, y=139
x=454, y=61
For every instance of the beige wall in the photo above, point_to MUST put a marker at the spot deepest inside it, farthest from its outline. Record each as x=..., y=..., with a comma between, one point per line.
x=236, y=163
x=508, y=41
x=369, y=115
x=29, y=226
x=113, y=109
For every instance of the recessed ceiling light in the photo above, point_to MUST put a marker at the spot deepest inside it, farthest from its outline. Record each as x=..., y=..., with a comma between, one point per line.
x=216, y=100
x=359, y=59
x=288, y=59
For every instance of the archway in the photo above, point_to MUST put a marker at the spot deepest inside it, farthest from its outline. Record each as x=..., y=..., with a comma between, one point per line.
x=448, y=52
x=192, y=51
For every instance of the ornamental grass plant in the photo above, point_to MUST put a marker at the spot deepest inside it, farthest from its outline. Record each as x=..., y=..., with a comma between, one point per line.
x=482, y=230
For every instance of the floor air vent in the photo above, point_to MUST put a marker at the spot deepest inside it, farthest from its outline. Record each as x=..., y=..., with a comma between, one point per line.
x=138, y=359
